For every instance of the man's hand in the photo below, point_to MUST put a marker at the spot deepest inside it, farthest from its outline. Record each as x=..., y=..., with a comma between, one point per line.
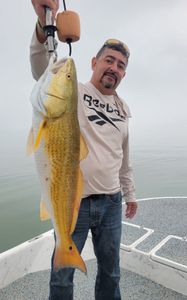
x=131, y=209
x=40, y=11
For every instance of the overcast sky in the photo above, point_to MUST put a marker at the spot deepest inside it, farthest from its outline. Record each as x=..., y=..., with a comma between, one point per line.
x=155, y=84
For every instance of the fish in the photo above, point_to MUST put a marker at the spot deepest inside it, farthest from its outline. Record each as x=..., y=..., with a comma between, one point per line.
x=59, y=146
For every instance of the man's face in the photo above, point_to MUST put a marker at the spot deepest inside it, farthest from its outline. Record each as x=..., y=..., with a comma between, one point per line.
x=108, y=71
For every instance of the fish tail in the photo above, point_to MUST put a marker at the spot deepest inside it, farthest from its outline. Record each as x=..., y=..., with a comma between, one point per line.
x=68, y=257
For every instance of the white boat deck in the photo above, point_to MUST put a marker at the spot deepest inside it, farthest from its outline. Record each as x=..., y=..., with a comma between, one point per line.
x=153, y=258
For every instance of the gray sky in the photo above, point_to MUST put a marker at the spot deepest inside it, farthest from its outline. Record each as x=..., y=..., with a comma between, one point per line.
x=154, y=86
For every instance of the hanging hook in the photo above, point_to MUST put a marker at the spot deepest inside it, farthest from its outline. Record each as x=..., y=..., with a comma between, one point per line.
x=69, y=41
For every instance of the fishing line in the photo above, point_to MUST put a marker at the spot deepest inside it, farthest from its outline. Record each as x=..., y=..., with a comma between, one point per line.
x=64, y=3
x=68, y=40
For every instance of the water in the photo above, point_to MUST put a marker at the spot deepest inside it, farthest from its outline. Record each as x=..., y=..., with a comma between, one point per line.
x=158, y=170
x=19, y=194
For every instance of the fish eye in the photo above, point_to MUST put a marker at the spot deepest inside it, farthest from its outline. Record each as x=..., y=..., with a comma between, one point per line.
x=68, y=76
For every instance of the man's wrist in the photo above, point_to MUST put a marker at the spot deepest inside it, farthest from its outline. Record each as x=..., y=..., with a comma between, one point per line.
x=40, y=26
x=40, y=32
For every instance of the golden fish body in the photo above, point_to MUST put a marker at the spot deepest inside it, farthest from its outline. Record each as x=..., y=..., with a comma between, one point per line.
x=59, y=147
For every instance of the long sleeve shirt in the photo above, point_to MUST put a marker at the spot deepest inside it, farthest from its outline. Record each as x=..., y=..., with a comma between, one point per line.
x=103, y=121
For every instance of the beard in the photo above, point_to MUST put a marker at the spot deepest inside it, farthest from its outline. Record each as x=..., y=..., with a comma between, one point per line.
x=108, y=85
x=107, y=82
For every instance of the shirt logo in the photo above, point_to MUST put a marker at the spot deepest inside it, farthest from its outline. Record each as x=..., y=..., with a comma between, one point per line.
x=99, y=117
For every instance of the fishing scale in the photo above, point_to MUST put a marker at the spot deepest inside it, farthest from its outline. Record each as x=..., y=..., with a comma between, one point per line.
x=67, y=27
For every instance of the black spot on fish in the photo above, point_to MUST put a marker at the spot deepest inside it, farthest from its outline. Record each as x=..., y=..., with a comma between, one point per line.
x=70, y=248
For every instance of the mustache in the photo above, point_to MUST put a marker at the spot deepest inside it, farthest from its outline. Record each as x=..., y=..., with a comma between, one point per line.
x=112, y=74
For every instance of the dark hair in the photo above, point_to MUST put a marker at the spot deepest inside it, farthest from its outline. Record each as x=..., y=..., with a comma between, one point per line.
x=114, y=45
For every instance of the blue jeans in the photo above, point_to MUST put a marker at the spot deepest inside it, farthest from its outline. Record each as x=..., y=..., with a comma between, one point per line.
x=102, y=214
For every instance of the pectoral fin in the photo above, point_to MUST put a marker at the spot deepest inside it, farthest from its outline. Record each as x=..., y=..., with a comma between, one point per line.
x=39, y=134
x=30, y=142
x=44, y=215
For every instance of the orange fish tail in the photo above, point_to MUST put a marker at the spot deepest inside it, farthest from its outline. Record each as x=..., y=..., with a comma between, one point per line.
x=68, y=257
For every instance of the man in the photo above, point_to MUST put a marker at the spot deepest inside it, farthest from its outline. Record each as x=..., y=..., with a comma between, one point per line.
x=103, y=118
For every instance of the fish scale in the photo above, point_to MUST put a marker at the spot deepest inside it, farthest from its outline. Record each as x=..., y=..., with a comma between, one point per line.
x=63, y=168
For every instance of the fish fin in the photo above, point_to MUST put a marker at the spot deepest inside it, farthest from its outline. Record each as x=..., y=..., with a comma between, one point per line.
x=39, y=134
x=69, y=257
x=44, y=215
x=30, y=142
x=83, y=148
x=77, y=201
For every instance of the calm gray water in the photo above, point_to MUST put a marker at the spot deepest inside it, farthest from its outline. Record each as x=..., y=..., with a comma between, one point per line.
x=159, y=170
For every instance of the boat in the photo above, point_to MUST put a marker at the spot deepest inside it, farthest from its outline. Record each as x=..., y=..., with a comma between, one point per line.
x=153, y=257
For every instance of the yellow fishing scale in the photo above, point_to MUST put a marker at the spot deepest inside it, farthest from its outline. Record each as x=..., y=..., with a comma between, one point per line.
x=67, y=27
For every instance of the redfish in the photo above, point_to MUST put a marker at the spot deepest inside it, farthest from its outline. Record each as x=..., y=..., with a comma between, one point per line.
x=59, y=147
